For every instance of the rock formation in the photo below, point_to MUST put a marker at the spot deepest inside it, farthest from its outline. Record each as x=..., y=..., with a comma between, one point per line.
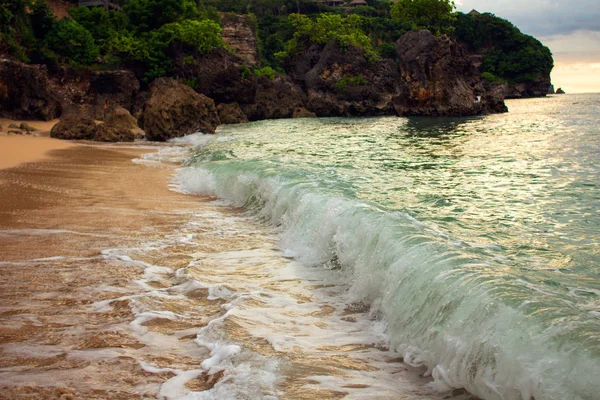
x=219, y=75
x=174, y=109
x=231, y=114
x=433, y=76
x=25, y=93
x=275, y=98
x=560, y=91
x=240, y=35
x=113, y=88
x=440, y=79
x=81, y=123
x=537, y=88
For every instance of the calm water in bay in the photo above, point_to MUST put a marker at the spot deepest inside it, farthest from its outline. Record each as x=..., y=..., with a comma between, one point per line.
x=474, y=241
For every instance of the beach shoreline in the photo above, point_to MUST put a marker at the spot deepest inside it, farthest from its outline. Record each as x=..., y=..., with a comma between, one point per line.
x=114, y=286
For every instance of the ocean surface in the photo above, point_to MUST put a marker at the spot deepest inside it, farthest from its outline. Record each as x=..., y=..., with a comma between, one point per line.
x=471, y=244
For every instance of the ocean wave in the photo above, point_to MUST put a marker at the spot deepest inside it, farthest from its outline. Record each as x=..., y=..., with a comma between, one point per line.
x=469, y=321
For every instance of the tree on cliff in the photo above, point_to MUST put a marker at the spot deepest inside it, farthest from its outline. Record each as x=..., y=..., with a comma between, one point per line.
x=435, y=15
x=345, y=31
x=508, y=54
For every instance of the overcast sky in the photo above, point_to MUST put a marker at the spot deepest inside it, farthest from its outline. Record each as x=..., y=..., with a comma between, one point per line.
x=571, y=29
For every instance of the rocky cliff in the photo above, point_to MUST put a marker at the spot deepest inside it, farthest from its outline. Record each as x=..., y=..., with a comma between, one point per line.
x=430, y=76
x=240, y=35
x=537, y=88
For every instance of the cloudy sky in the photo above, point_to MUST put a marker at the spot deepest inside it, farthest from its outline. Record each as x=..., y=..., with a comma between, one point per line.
x=571, y=29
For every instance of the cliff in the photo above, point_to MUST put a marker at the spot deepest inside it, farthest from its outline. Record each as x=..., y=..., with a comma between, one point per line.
x=240, y=35
x=429, y=76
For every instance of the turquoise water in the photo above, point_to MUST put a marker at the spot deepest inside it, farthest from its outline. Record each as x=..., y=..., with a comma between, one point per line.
x=476, y=240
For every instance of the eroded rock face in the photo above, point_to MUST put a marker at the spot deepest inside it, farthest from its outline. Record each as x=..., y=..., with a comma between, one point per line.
x=301, y=112
x=275, y=98
x=220, y=75
x=231, y=114
x=538, y=88
x=25, y=92
x=433, y=76
x=113, y=88
x=440, y=79
x=82, y=122
x=239, y=34
x=174, y=109
x=346, y=83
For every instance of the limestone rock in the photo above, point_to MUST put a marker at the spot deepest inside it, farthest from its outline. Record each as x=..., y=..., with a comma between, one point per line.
x=25, y=92
x=218, y=74
x=275, y=98
x=301, y=112
x=231, y=114
x=440, y=79
x=174, y=109
x=27, y=128
x=74, y=129
x=110, y=133
x=80, y=123
x=345, y=82
x=118, y=116
x=113, y=88
x=240, y=36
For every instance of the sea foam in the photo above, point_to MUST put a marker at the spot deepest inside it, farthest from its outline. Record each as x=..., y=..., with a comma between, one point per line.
x=443, y=306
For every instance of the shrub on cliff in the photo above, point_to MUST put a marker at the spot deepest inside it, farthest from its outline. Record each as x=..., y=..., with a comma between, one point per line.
x=69, y=39
x=148, y=15
x=148, y=52
x=436, y=16
x=508, y=53
x=345, y=31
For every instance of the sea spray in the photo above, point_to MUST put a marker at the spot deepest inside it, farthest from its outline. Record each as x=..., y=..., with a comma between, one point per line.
x=472, y=313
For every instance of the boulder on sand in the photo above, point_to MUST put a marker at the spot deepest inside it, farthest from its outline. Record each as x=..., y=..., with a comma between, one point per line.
x=174, y=109
x=79, y=123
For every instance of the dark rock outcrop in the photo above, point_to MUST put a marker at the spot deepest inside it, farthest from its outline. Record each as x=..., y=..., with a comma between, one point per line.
x=346, y=83
x=275, y=98
x=560, y=91
x=537, y=88
x=231, y=114
x=432, y=77
x=440, y=79
x=74, y=128
x=113, y=88
x=25, y=92
x=174, y=109
x=220, y=75
x=82, y=123
x=301, y=112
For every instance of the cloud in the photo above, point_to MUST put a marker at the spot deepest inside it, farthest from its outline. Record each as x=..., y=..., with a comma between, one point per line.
x=542, y=17
x=578, y=46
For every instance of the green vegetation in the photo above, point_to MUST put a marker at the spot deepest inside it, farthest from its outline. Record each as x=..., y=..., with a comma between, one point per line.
x=346, y=81
x=435, y=15
x=144, y=37
x=265, y=71
x=508, y=54
x=70, y=40
x=147, y=35
x=345, y=31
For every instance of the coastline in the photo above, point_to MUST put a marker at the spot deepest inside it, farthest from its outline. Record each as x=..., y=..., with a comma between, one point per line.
x=114, y=286
x=19, y=149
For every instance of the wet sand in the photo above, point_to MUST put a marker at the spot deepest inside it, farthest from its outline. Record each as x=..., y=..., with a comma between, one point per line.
x=114, y=287
x=56, y=217
x=18, y=149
